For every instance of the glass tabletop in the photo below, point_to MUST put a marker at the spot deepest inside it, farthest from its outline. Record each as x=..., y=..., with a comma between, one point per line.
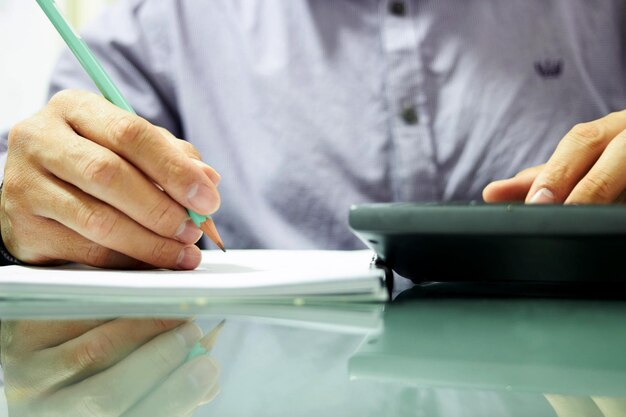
x=417, y=356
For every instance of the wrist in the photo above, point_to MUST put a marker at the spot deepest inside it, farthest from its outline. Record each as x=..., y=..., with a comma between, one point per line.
x=5, y=256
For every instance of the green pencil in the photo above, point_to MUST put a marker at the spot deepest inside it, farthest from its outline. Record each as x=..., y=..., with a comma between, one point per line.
x=108, y=89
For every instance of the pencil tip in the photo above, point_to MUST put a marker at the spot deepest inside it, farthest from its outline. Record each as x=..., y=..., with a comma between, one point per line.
x=221, y=246
x=208, y=341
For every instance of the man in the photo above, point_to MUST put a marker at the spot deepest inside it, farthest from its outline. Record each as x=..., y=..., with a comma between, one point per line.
x=306, y=107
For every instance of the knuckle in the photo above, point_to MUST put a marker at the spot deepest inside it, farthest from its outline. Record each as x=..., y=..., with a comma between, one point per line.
x=588, y=135
x=95, y=353
x=98, y=221
x=94, y=405
x=599, y=187
x=21, y=133
x=18, y=191
x=127, y=128
x=557, y=173
x=176, y=168
x=164, y=217
x=101, y=171
x=62, y=99
x=97, y=255
x=11, y=187
x=189, y=149
x=162, y=357
x=65, y=102
x=162, y=325
x=164, y=252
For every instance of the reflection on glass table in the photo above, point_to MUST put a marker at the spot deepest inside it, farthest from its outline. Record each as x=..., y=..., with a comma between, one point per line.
x=99, y=368
x=569, y=351
x=418, y=357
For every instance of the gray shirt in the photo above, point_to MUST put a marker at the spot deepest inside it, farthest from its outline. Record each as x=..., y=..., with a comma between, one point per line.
x=308, y=106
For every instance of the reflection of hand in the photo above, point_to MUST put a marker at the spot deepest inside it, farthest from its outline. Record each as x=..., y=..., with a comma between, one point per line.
x=581, y=406
x=586, y=167
x=117, y=368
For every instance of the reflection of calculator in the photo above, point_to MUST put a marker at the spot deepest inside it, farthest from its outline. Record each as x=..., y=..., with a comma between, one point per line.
x=507, y=242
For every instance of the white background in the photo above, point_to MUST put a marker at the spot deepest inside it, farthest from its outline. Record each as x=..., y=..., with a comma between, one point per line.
x=29, y=47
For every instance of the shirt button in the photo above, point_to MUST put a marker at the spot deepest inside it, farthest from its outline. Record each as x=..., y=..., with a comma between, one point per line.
x=397, y=8
x=409, y=115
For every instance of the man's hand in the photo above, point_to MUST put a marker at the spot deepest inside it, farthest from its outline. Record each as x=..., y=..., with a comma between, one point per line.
x=88, y=182
x=122, y=367
x=588, y=166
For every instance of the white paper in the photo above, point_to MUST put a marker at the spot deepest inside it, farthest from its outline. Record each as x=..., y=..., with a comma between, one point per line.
x=232, y=276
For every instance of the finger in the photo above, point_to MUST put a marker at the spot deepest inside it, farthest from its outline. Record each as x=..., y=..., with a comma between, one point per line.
x=573, y=157
x=512, y=189
x=38, y=240
x=19, y=226
x=24, y=336
x=573, y=406
x=211, y=395
x=115, y=390
x=606, y=180
x=141, y=143
x=194, y=154
x=49, y=370
x=106, y=226
x=57, y=243
x=182, y=392
x=104, y=175
x=209, y=172
x=611, y=406
x=111, y=342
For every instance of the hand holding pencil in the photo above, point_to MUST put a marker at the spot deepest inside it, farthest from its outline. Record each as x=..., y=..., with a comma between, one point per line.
x=89, y=181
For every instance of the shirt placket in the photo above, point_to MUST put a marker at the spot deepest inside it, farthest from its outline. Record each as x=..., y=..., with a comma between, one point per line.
x=413, y=167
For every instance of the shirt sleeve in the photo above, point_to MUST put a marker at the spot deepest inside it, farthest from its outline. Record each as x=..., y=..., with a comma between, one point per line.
x=3, y=155
x=128, y=39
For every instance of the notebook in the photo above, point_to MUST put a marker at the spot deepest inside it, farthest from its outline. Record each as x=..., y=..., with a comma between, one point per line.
x=237, y=276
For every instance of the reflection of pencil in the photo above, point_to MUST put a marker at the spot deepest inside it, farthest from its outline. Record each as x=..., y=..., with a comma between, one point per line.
x=205, y=345
x=209, y=340
x=109, y=90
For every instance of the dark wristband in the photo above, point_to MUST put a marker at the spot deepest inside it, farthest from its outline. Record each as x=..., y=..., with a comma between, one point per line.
x=5, y=257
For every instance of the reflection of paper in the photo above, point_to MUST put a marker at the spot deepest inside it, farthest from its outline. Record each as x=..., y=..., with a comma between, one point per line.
x=232, y=276
x=353, y=318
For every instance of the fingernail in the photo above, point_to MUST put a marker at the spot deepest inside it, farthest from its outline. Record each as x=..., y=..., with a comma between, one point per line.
x=543, y=196
x=188, y=334
x=210, y=396
x=203, y=373
x=188, y=232
x=202, y=199
x=189, y=258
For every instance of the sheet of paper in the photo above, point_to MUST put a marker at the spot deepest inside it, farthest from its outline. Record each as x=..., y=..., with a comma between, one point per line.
x=234, y=275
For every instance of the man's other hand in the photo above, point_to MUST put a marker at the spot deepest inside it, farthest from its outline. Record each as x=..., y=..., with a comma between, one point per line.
x=588, y=167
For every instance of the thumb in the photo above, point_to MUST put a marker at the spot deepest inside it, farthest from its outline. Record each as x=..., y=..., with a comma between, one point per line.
x=513, y=189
